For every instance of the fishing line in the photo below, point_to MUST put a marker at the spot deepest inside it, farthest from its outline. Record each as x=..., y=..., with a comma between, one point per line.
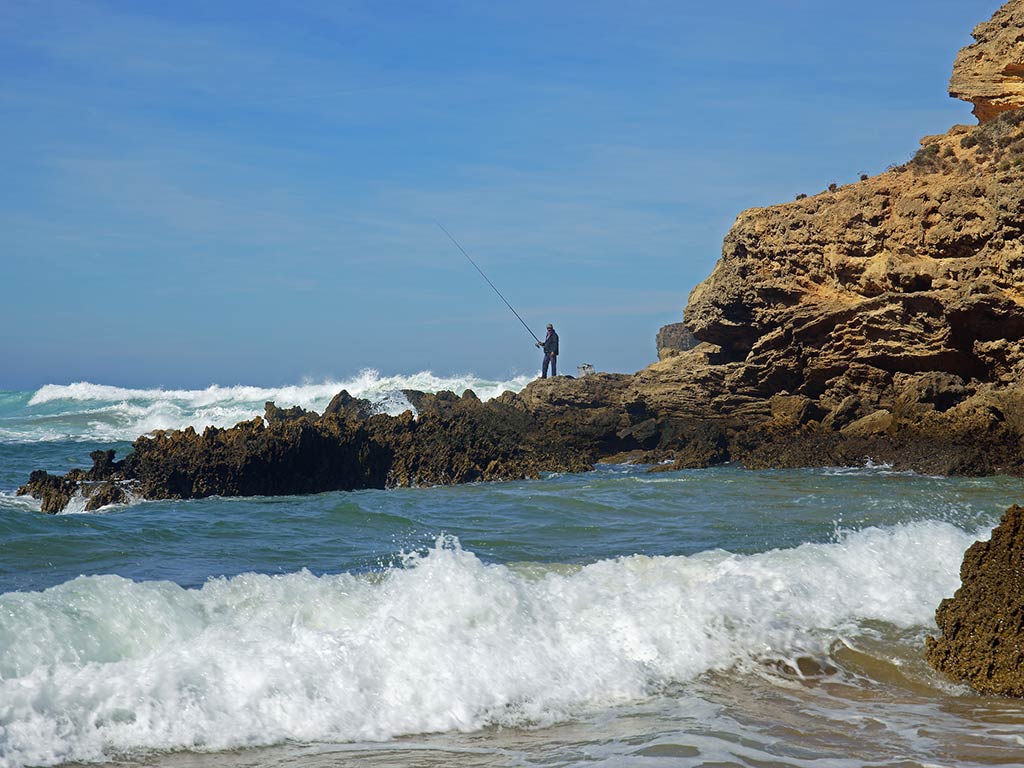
x=488, y=280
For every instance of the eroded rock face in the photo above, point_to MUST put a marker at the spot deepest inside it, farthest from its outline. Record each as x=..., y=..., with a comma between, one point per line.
x=881, y=321
x=990, y=73
x=887, y=314
x=982, y=625
x=920, y=269
x=673, y=339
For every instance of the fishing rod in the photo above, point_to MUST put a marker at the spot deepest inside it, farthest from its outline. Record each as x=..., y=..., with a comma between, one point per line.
x=488, y=280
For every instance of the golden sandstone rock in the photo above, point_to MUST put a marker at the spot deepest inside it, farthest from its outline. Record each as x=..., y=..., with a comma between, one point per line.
x=882, y=320
x=859, y=291
x=990, y=73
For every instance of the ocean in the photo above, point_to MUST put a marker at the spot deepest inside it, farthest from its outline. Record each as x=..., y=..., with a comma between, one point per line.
x=717, y=617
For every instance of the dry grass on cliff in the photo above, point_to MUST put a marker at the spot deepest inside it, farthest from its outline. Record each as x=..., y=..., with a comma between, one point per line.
x=997, y=145
x=1000, y=142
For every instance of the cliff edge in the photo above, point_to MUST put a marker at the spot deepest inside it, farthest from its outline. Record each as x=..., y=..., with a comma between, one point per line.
x=883, y=309
x=881, y=320
x=990, y=73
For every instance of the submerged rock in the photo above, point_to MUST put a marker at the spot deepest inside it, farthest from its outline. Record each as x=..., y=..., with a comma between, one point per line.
x=982, y=625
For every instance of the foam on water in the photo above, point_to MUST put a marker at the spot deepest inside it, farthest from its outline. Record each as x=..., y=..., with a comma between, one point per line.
x=101, y=666
x=95, y=412
x=8, y=500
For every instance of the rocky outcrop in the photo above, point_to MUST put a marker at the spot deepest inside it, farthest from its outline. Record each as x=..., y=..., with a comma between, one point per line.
x=55, y=492
x=882, y=321
x=556, y=425
x=990, y=73
x=846, y=293
x=673, y=339
x=982, y=625
x=920, y=269
x=95, y=486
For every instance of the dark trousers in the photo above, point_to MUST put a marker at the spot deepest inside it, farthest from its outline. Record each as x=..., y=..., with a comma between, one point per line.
x=549, y=358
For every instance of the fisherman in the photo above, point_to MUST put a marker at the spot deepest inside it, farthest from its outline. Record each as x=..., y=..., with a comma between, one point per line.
x=550, y=347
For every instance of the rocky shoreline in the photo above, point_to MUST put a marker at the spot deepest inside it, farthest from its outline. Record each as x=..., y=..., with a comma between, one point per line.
x=881, y=321
x=878, y=321
x=930, y=423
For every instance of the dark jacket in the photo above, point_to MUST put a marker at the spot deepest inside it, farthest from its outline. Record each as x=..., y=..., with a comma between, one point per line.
x=551, y=343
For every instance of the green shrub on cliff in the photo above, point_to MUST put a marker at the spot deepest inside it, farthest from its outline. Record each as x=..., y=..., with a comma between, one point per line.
x=927, y=159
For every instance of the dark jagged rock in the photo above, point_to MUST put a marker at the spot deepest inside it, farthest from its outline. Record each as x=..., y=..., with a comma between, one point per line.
x=292, y=451
x=982, y=625
x=343, y=404
x=879, y=321
x=104, y=494
x=933, y=423
x=273, y=414
x=103, y=465
x=53, y=491
x=457, y=440
x=301, y=455
x=97, y=485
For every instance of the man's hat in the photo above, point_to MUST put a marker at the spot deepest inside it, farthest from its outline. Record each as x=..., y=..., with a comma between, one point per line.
x=550, y=325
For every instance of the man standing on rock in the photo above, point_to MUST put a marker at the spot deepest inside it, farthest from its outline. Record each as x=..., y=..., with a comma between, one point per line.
x=550, y=347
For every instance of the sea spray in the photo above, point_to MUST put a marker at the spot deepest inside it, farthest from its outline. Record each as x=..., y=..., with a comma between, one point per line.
x=84, y=411
x=101, y=666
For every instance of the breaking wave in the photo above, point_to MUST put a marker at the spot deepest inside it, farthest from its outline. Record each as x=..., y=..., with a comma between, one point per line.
x=103, y=666
x=95, y=412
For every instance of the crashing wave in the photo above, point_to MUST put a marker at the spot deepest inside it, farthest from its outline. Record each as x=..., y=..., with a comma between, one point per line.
x=101, y=665
x=96, y=412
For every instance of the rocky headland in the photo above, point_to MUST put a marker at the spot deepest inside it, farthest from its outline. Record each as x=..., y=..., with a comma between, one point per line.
x=877, y=321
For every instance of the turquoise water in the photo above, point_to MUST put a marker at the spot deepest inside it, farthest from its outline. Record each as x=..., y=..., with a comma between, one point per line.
x=619, y=617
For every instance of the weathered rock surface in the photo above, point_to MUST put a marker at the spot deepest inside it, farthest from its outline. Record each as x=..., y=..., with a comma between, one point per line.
x=291, y=451
x=920, y=269
x=95, y=486
x=990, y=73
x=673, y=339
x=882, y=321
x=982, y=625
x=917, y=270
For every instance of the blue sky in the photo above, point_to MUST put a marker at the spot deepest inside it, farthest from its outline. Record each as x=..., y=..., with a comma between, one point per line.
x=234, y=192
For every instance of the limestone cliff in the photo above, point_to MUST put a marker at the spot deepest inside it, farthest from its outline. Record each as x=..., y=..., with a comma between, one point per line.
x=880, y=320
x=901, y=293
x=919, y=269
x=990, y=73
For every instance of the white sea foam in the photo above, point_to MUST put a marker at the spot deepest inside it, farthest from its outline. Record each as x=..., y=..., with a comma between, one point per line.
x=97, y=412
x=100, y=666
x=8, y=500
